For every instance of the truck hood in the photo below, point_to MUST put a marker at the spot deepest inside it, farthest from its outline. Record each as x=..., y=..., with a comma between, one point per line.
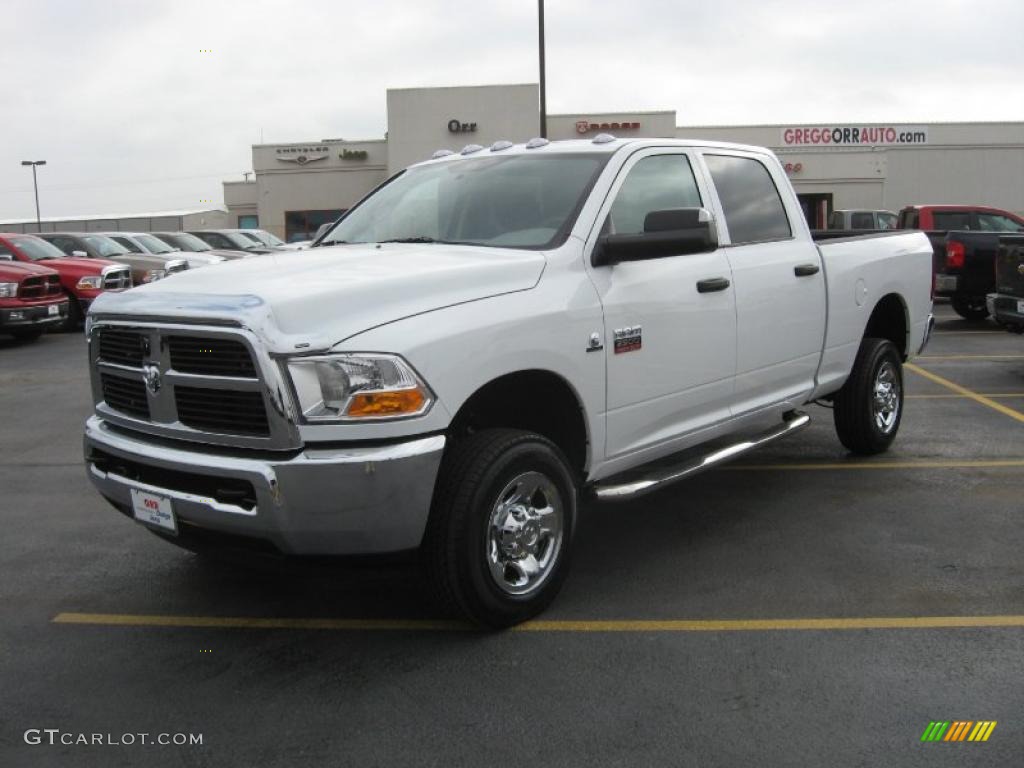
x=318, y=297
x=77, y=266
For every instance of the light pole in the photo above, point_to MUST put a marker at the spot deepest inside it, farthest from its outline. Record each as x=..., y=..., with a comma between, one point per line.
x=35, y=185
x=543, y=85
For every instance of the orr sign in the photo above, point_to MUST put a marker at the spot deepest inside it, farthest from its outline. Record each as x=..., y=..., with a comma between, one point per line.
x=854, y=136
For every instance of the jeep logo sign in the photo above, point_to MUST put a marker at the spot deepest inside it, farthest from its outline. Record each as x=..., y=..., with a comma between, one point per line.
x=455, y=126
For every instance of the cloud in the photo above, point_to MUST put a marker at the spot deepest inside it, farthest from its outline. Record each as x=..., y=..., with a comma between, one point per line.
x=131, y=114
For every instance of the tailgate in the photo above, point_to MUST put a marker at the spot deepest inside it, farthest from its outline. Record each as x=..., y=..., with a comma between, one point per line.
x=1010, y=265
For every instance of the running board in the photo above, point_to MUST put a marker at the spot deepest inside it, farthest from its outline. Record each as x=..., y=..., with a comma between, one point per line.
x=792, y=422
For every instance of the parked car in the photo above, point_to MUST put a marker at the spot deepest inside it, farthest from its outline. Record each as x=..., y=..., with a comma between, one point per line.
x=82, y=279
x=597, y=317
x=230, y=239
x=145, y=242
x=187, y=243
x=146, y=268
x=262, y=237
x=31, y=299
x=862, y=219
x=964, y=240
x=1007, y=303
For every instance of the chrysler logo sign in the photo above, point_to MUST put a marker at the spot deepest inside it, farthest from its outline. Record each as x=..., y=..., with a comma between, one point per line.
x=301, y=155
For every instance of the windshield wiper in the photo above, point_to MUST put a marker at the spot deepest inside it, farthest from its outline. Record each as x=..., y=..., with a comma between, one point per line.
x=419, y=239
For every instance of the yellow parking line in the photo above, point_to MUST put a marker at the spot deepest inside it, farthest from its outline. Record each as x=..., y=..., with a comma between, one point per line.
x=970, y=357
x=547, y=625
x=957, y=397
x=1003, y=409
x=937, y=464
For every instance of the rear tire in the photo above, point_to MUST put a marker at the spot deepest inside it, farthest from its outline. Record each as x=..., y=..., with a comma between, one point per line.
x=498, y=542
x=869, y=407
x=970, y=309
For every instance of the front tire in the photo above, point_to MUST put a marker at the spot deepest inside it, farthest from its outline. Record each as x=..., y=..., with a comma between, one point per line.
x=869, y=407
x=73, y=321
x=970, y=309
x=498, y=542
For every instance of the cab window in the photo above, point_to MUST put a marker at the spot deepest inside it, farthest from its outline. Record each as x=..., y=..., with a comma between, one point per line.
x=655, y=183
x=750, y=200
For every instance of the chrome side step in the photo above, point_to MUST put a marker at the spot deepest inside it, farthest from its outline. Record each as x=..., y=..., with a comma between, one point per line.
x=665, y=475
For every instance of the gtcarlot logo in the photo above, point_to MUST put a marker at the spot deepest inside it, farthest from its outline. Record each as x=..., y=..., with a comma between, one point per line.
x=56, y=737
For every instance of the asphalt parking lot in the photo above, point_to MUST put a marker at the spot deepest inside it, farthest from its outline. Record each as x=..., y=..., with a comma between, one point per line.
x=802, y=607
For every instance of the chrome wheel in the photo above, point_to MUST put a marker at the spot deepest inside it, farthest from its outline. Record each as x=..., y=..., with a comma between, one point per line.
x=524, y=533
x=887, y=396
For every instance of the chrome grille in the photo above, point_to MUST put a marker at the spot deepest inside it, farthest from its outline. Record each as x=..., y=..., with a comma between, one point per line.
x=125, y=395
x=222, y=410
x=117, y=278
x=210, y=356
x=190, y=382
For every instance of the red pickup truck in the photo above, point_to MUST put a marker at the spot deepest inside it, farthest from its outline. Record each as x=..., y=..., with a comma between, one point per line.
x=31, y=299
x=82, y=279
x=965, y=240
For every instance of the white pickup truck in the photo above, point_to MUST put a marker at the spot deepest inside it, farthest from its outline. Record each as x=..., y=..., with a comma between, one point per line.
x=488, y=338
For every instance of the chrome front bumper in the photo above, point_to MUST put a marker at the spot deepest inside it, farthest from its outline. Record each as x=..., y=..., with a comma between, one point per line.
x=329, y=501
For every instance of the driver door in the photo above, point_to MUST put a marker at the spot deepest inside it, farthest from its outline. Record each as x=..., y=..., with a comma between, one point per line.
x=670, y=322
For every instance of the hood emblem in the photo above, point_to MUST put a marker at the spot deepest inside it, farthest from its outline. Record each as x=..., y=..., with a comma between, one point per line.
x=151, y=374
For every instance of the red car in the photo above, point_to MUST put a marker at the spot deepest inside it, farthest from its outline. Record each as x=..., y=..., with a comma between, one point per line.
x=959, y=217
x=82, y=279
x=31, y=299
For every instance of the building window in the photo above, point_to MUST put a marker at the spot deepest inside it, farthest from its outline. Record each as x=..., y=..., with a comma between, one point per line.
x=302, y=225
x=249, y=222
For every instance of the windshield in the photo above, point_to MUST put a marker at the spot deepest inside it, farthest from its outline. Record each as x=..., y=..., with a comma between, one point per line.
x=517, y=201
x=185, y=241
x=264, y=238
x=252, y=236
x=104, y=246
x=154, y=244
x=37, y=249
x=235, y=240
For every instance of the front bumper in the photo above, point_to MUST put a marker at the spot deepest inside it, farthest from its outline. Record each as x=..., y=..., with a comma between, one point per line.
x=1007, y=310
x=351, y=500
x=33, y=316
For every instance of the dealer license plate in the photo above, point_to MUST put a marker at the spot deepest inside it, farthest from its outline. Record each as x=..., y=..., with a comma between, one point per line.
x=154, y=510
x=1020, y=307
x=53, y=309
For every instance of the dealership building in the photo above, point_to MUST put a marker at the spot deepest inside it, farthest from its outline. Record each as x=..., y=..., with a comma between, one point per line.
x=298, y=186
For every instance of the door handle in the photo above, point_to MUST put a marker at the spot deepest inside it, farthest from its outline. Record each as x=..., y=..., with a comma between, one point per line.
x=806, y=270
x=712, y=284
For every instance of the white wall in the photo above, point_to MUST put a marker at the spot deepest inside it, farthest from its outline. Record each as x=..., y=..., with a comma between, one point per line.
x=418, y=119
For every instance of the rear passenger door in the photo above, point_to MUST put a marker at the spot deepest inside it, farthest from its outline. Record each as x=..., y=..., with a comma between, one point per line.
x=777, y=277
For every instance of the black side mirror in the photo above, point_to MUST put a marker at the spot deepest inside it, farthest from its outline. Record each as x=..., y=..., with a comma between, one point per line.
x=671, y=232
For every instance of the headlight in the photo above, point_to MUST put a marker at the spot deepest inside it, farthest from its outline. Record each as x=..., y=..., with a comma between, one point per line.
x=355, y=387
x=8, y=290
x=153, y=275
x=91, y=282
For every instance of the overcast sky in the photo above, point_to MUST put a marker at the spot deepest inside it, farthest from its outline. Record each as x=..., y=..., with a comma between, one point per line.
x=131, y=116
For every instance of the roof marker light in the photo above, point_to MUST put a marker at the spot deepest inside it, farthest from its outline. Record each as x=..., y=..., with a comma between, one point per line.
x=441, y=153
x=469, y=149
x=537, y=143
x=500, y=145
x=604, y=138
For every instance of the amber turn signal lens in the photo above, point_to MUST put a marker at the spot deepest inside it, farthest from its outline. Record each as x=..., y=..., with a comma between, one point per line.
x=386, y=403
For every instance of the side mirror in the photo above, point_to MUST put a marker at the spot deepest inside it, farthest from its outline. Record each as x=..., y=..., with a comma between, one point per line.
x=80, y=254
x=671, y=232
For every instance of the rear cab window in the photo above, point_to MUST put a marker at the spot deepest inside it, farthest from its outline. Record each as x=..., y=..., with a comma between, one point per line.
x=862, y=220
x=951, y=220
x=751, y=202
